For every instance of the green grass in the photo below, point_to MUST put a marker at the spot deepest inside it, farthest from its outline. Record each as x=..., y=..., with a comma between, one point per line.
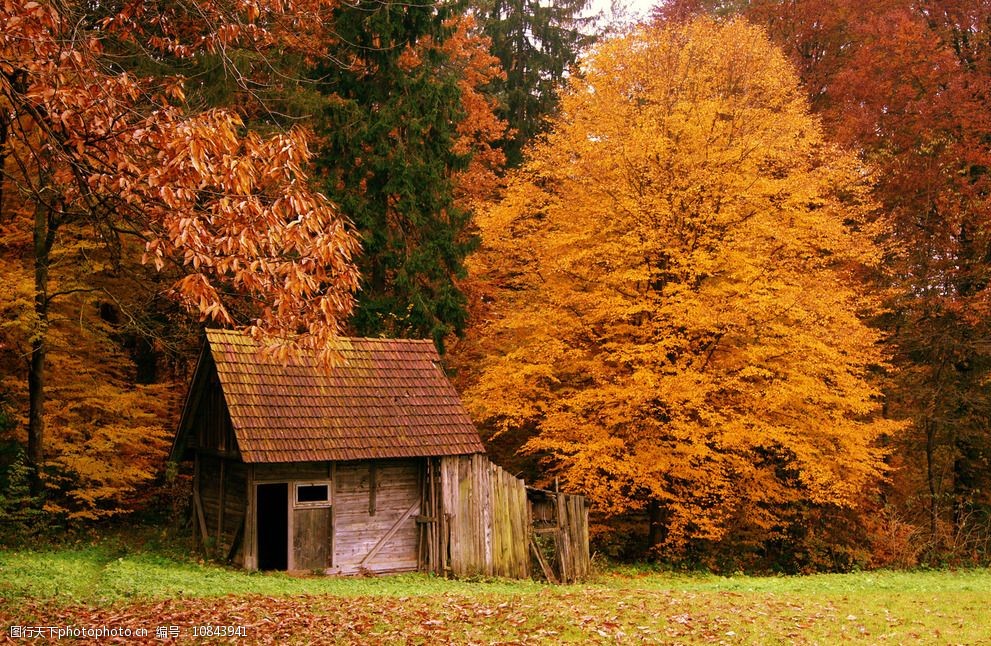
x=96, y=575
x=112, y=582
x=867, y=583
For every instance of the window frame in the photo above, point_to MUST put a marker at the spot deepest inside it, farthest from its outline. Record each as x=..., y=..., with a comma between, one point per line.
x=297, y=504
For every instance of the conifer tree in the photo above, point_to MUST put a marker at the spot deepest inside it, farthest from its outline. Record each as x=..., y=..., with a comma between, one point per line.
x=388, y=133
x=538, y=44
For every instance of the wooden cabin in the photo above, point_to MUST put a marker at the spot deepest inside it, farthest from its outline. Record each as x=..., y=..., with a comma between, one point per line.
x=373, y=466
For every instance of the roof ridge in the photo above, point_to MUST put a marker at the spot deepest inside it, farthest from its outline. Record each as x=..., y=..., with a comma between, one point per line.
x=345, y=338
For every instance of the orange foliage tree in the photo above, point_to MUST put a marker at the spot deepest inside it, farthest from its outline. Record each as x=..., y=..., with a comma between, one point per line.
x=907, y=85
x=102, y=158
x=480, y=129
x=676, y=322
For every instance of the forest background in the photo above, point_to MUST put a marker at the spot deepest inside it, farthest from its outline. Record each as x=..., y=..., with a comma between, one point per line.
x=725, y=273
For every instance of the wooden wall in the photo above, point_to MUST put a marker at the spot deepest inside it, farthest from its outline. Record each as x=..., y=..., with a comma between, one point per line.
x=376, y=504
x=211, y=420
x=370, y=524
x=485, y=524
x=459, y=515
x=491, y=523
x=220, y=497
x=289, y=471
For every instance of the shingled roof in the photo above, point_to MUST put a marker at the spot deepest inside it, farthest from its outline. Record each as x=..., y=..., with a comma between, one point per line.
x=388, y=399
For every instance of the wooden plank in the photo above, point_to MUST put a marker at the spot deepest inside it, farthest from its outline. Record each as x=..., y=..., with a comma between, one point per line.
x=443, y=514
x=201, y=521
x=453, y=515
x=236, y=540
x=250, y=560
x=392, y=531
x=495, y=513
x=424, y=520
x=522, y=529
x=435, y=532
x=505, y=526
x=562, y=542
x=429, y=564
x=485, y=503
x=198, y=503
x=580, y=538
x=421, y=524
x=332, y=518
x=548, y=573
x=220, y=506
x=372, y=486
x=459, y=516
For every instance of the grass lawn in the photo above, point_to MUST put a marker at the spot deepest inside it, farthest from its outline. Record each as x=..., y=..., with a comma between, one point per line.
x=88, y=586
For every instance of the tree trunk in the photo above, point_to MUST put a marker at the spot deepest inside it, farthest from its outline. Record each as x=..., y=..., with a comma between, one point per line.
x=931, y=479
x=44, y=238
x=4, y=128
x=657, y=518
x=969, y=468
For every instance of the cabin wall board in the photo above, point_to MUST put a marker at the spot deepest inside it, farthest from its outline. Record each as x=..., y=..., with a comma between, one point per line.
x=459, y=515
x=310, y=539
x=291, y=471
x=211, y=419
x=249, y=557
x=223, y=494
x=485, y=518
x=394, y=488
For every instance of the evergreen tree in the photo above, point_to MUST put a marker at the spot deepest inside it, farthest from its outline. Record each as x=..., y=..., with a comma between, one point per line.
x=388, y=134
x=538, y=43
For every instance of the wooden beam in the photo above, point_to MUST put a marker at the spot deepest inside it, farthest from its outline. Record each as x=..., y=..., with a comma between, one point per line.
x=221, y=502
x=236, y=540
x=331, y=520
x=191, y=404
x=392, y=532
x=201, y=521
x=433, y=531
x=250, y=561
x=331, y=526
x=421, y=529
x=198, y=504
x=548, y=573
x=373, y=486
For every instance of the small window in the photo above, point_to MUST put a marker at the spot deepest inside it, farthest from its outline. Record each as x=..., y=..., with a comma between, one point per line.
x=315, y=494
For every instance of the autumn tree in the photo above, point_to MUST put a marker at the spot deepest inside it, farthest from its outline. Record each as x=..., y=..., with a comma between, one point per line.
x=907, y=85
x=481, y=128
x=677, y=319
x=104, y=160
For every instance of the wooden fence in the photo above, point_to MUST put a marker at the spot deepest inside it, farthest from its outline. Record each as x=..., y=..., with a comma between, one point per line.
x=484, y=518
x=489, y=522
x=559, y=539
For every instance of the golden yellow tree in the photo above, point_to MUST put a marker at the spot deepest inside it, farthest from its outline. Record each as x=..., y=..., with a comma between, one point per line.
x=676, y=314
